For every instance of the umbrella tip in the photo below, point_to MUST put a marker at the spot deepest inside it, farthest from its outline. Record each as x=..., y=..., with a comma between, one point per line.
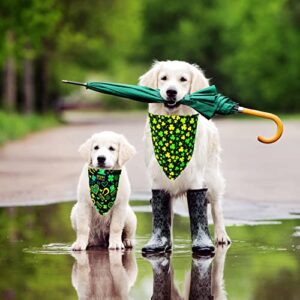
x=74, y=82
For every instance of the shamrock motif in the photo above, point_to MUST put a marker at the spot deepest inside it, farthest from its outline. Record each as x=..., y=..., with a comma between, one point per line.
x=171, y=127
x=103, y=188
x=173, y=142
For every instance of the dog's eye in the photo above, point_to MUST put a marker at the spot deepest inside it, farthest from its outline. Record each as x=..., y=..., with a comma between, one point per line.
x=96, y=147
x=111, y=148
x=183, y=79
x=164, y=78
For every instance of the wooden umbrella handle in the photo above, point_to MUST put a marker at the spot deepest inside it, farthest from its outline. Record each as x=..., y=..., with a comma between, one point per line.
x=265, y=115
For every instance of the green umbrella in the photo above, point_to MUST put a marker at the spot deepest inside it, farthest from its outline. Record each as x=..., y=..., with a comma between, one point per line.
x=208, y=102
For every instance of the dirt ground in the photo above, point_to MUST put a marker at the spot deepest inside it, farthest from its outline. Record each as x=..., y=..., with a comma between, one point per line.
x=263, y=181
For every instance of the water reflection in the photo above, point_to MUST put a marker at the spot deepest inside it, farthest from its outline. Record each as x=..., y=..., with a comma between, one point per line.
x=203, y=282
x=262, y=263
x=102, y=274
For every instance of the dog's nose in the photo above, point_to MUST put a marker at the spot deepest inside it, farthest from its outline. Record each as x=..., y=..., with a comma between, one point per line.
x=171, y=93
x=101, y=159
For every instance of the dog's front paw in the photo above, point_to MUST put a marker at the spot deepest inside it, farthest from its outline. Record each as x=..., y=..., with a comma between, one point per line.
x=221, y=238
x=128, y=243
x=79, y=246
x=116, y=244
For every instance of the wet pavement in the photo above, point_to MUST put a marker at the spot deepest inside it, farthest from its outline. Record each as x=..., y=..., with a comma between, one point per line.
x=36, y=262
x=261, y=180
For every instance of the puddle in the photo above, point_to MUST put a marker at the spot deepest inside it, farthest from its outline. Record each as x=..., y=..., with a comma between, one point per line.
x=37, y=263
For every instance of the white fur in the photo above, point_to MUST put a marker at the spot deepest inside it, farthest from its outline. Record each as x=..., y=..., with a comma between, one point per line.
x=117, y=227
x=104, y=274
x=203, y=170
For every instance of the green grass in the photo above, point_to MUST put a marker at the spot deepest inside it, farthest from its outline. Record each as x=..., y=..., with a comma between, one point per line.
x=14, y=126
x=291, y=116
x=282, y=116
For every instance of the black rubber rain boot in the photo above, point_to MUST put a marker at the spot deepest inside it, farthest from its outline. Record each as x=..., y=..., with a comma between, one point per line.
x=161, y=223
x=201, y=240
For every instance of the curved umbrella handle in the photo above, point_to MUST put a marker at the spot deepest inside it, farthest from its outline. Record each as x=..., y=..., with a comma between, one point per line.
x=265, y=115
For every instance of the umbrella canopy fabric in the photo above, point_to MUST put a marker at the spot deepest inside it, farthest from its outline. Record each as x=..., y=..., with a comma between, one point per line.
x=208, y=102
x=134, y=92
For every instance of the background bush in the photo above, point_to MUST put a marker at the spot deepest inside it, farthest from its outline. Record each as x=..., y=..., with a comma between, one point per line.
x=249, y=48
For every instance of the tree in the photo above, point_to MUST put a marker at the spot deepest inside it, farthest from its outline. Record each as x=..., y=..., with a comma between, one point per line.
x=261, y=43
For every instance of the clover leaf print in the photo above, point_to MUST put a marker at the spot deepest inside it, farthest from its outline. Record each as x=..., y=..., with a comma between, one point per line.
x=173, y=142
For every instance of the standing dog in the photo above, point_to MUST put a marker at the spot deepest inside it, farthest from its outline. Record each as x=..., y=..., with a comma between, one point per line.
x=105, y=150
x=175, y=79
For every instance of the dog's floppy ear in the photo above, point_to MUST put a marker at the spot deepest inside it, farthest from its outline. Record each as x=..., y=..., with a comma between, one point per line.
x=85, y=149
x=199, y=81
x=149, y=79
x=126, y=151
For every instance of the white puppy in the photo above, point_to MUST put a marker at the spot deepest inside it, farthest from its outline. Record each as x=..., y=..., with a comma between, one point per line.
x=105, y=150
x=175, y=79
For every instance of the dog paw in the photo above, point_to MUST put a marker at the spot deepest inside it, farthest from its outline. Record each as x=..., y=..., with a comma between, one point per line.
x=113, y=245
x=128, y=243
x=79, y=246
x=221, y=238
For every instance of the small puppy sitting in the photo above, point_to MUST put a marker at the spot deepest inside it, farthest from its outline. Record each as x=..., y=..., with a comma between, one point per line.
x=116, y=229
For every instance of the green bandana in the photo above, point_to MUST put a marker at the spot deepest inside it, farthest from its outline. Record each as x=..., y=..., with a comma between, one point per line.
x=173, y=139
x=103, y=188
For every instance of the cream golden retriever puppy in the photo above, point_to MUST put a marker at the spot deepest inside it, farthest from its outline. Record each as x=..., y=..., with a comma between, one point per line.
x=105, y=150
x=175, y=79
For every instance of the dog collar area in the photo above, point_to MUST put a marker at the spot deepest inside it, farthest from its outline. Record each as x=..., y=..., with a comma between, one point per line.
x=174, y=117
x=100, y=171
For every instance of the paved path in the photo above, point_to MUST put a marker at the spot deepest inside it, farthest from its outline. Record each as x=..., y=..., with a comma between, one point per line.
x=263, y=181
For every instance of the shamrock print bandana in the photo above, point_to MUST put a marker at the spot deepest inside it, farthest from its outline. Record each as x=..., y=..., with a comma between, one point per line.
x=173, y=139
x=103, y=188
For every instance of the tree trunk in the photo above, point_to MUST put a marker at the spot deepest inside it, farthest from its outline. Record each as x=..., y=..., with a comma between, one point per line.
x=44, y=78
x=28, y=85
x=10, y=76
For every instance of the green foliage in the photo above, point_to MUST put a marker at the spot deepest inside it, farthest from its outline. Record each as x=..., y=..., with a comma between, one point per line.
x=261, y=43
x=31, y=22
x=250, y=49
x=14, y=126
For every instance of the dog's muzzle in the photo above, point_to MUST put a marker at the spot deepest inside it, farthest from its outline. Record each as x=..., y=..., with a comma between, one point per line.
x=101, y=161
x=171, y=101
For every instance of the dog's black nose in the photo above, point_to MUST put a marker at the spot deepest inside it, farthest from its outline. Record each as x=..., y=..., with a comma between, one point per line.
x=171, y=93
x=101, y=159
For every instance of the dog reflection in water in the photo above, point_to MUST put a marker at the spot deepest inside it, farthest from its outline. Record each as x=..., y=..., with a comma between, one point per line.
x=203, y=282
x=103, y=274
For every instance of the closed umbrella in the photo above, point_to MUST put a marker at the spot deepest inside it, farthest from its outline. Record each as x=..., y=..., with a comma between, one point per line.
x=208, y=102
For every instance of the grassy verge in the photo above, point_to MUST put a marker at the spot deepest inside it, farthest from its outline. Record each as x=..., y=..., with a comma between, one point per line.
x=14, y=126
x=244, y=117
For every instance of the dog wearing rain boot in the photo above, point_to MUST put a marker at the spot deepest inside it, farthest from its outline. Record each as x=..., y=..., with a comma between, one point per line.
x=102, y=215
x=183, y=158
